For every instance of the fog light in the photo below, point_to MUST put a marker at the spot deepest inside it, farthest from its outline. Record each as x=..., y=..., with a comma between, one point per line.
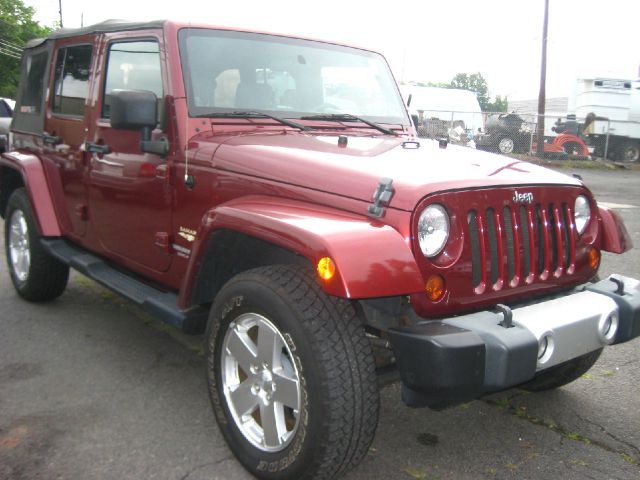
x=435, y=288
x=326, y=268
x=545, y=348
x=594, y=258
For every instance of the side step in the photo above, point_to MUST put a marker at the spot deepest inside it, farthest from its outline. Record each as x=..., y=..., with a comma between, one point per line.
x=158, y=303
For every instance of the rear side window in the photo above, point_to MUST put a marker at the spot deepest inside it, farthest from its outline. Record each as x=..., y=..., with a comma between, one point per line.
x=132, y=66
x=36, y=68
x=71, y=84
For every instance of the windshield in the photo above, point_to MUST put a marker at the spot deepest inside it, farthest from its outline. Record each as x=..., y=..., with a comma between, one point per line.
x=227, y=71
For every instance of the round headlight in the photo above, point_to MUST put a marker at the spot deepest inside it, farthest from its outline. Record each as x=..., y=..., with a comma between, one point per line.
x=582, y=213
x=433, y=230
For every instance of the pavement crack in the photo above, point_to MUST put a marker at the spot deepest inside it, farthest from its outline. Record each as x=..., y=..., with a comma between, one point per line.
x=201, y=466
x=521, y=412
x=634, y=448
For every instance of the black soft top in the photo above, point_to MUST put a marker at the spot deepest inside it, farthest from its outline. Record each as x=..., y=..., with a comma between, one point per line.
x=112, y=25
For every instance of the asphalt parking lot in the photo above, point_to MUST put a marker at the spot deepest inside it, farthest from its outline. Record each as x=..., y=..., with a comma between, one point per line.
x=92, y=388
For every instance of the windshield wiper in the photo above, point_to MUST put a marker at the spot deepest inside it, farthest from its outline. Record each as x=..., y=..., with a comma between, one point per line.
x=347, y=117
x=254, y=114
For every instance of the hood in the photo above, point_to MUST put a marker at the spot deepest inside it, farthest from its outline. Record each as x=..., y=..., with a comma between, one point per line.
x=318, y=162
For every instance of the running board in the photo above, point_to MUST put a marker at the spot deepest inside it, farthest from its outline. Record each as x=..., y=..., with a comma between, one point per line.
x=158, y=303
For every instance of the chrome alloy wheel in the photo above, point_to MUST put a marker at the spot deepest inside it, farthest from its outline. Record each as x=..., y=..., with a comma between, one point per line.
x=19, y=251
x=261, y=383
x=506, y=145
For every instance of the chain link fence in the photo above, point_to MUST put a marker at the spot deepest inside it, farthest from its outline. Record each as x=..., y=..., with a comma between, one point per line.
x=515, y=133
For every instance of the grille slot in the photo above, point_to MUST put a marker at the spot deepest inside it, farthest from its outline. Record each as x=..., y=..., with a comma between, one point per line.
x=520, y=245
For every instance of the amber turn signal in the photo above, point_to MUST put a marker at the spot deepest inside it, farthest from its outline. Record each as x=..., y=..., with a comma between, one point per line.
x=326, y=268
x=594, y=258
x=435, y=288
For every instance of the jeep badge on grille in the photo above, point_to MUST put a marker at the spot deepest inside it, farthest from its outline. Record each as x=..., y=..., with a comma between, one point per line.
x=526, y=197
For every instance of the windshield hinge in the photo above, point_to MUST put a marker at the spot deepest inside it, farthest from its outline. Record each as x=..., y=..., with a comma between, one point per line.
x=381, y=198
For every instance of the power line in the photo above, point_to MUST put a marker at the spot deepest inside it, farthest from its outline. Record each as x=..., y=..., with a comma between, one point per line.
x=12, y=43
x=11, y=46
x=8, y=54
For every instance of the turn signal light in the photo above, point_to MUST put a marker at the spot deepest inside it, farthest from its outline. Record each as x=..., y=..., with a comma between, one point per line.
x=326, y=268
x=435, y=288
x=594, y=258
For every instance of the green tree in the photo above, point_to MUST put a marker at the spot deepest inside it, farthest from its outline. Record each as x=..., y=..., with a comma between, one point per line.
x=499, y=104
x=474, y=82
x=17, y=27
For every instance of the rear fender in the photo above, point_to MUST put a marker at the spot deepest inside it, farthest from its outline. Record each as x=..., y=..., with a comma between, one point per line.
x=372, y=259
x=615, y=237
x=32, y=173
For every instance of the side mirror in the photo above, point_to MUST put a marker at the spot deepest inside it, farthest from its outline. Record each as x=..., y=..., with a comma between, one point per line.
x=133, y=109
x=138, y=110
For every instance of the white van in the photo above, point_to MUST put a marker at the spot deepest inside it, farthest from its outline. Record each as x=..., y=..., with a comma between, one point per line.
x=445, y=104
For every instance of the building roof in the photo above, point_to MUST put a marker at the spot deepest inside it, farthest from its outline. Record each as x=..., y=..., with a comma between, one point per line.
x=556, y=105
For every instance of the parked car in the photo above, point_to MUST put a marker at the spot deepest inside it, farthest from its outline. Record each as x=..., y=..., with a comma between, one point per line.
x=216, y=178
x=6, y=112
x=505, y=133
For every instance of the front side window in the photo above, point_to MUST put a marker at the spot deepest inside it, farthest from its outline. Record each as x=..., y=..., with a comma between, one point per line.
x=71, y=84
x=32, y=94
x=226, y=71
x=132, y=66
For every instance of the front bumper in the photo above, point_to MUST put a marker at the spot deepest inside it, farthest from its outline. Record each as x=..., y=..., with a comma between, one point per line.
x=449, y=361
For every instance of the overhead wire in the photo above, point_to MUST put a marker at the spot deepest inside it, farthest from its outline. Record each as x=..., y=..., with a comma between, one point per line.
x=11, y=46
x=10, y=49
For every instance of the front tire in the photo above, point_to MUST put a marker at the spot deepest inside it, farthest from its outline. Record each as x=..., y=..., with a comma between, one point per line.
x=291, y=375
x=36, y=275
x=562, y=374
x=506, y=145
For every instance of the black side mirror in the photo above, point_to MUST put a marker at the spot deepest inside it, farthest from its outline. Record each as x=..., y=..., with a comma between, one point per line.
x=138, y=110
x=133, y=109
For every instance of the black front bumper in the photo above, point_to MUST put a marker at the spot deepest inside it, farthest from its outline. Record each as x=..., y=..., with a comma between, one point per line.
x=446, y=362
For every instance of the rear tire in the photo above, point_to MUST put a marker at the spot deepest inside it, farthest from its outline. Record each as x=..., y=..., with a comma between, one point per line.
x=629, y=152
x=562, y=374
x=318, y=375
x=36, y=275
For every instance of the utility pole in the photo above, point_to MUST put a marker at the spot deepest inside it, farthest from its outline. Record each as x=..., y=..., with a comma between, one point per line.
x=543, y=80
x=60, y=11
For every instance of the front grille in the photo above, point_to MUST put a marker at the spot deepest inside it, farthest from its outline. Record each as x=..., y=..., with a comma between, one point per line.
x=520, y=245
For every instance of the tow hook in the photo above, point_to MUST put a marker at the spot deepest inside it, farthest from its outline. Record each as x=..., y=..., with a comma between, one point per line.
x=507, y=316
x=620, y=285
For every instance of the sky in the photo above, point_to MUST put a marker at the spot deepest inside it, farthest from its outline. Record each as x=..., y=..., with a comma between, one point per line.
x=424, y=40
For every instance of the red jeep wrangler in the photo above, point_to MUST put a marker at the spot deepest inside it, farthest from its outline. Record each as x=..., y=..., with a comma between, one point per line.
x=269, y=190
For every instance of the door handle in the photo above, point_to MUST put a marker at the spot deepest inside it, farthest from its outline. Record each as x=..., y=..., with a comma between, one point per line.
x=107, y=162
x=51, y=139
x=97, y=148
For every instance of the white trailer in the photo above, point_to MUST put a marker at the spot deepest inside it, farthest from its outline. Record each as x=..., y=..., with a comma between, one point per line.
x=617, y=101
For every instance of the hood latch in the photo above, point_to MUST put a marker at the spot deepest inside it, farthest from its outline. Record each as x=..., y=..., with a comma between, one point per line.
x=381, y=198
